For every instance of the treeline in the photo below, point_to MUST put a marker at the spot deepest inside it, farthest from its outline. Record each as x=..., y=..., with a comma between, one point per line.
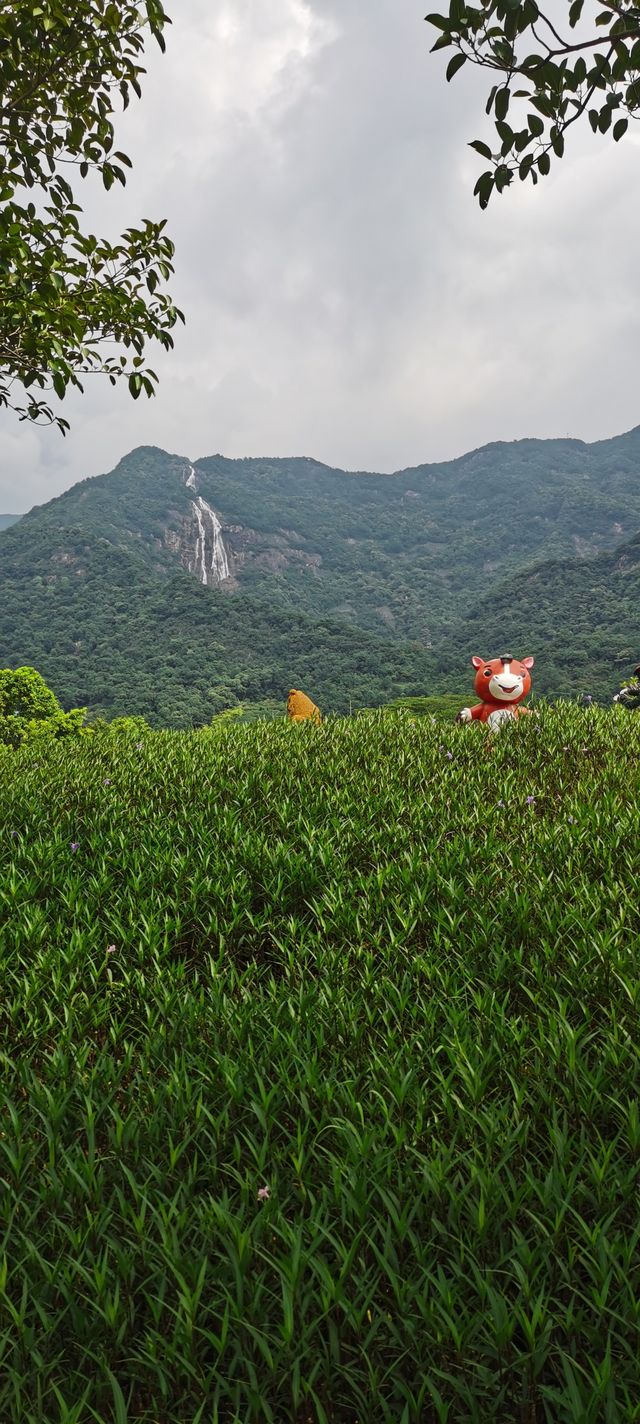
x=108, y=636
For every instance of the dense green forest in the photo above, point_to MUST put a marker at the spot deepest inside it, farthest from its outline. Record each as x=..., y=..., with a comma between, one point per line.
x=361, y=587
x=109, y=635
x=392, y=552
x=580, y=618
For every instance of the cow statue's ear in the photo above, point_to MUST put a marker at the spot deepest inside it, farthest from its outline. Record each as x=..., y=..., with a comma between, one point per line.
x=477, y=662
x=528, y=662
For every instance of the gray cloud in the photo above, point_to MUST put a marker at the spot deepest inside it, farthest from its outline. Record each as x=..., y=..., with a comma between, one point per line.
x=345, y=297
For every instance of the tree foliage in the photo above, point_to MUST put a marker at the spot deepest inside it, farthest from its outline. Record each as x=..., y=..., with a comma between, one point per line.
x=29, y=709
x=548, y=72
x=65, y=292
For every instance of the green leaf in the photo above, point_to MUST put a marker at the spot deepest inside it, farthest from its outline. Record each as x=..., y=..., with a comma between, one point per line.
x=481, y=148
x=557, y=143
x=502, y=177
x=619, y=129
x=507, y=136
x=455, y=63
x=502, y=103
x=119, y=1405
x=444, y=42
x=543, y=105
x=484, y=188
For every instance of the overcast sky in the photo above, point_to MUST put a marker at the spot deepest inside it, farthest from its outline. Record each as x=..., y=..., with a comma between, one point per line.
x=345, y=297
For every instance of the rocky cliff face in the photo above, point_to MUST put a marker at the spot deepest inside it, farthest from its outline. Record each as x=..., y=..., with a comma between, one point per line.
x=200, y=540
x=217, y=552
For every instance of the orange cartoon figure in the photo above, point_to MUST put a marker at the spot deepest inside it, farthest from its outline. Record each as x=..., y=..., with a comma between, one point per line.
x=501, y=684
x=300, y=708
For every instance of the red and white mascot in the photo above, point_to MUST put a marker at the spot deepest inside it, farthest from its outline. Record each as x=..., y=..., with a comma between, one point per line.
x=502, y=685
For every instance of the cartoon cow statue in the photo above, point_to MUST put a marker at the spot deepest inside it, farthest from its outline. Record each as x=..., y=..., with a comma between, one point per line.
x=501, y=684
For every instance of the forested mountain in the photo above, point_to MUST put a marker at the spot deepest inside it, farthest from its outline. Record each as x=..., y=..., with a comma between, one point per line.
x=108, y=633
x=391, y=552
x=580, y=619
x=361, y=586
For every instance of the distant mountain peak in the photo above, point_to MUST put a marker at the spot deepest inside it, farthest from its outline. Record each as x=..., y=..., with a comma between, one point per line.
x=471, y=551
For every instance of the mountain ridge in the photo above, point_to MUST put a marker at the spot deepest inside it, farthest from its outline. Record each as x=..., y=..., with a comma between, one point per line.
x=405, y=571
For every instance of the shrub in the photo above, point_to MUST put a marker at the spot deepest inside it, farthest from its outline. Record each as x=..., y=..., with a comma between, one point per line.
x=29, y=709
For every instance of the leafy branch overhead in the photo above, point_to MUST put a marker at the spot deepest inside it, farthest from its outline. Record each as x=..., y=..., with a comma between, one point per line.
x=549, y=73
x=65, y=292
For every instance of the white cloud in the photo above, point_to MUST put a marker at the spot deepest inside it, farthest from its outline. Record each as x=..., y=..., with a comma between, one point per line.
x=345, y=297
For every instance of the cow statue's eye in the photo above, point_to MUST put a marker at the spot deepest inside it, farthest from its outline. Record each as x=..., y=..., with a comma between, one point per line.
x=488, y=672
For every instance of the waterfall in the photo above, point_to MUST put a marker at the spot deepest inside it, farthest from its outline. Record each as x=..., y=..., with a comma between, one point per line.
x=219, y=561
x=201, y=541
x=211, y=563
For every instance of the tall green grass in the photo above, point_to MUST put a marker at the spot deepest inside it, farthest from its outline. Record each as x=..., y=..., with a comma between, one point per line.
x=319, y=1075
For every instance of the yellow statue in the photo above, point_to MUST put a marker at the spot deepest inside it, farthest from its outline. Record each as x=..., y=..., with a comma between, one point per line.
x=300, y=707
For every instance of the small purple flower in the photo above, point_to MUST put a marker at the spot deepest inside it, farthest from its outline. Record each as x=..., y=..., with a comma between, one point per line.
x=449, y=756
x=111, y=949
x=107, y=781
x=530, y=800
x=14, y=833
x=75, y=845
x=264, y=1193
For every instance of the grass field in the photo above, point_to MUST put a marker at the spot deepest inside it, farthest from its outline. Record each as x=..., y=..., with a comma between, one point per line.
x=319, y=1075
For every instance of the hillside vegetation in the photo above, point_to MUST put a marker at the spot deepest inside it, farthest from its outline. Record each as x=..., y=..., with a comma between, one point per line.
x=582, y=619
x=366, y=587
x=110, y=635
x=320, y=1075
